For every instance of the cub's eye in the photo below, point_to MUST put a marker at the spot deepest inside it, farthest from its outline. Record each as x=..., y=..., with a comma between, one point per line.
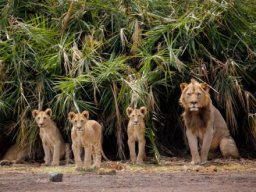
x=133, y=115
x=44, y=117
x=198, y=94
x=82, y=120
x=189, y=94
x=75, y=121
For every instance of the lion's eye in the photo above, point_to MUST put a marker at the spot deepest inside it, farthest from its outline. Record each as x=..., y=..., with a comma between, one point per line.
x=44, y=117
x=82, y=120
x=198, y=94
x=75, y=121
x=189, y=94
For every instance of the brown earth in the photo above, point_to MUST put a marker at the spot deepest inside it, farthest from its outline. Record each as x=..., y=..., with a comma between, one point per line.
x=171, y=175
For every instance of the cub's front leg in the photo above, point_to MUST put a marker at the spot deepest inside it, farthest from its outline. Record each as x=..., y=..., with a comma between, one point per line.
x=193, y=146
x=131, y=144
x=56, y=154
x=141, y=153
x=77, y=155
x=47, y=154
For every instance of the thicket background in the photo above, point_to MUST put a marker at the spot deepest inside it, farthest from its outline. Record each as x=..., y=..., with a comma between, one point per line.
x=57, y=51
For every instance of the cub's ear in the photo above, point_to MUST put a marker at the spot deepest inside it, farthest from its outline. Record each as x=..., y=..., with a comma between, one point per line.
x=71, y=115
x=85, y=114
x=183, y=86
x=129, y=110
x=205, y=87
x=35, y=113
x=143, y=110
x=48, y=111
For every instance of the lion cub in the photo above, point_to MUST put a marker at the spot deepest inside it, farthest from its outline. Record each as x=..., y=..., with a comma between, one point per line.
x=15, y=154
x=53, y=143
x=136, y=132
x=85, y=134
x=204, y=123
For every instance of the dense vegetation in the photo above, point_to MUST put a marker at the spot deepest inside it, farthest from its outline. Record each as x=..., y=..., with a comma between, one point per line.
x=79, y=55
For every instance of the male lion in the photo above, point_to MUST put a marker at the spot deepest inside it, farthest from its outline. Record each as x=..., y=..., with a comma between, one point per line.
x=204, y=122
x=136, y=132
x=53, y=143
x=86, y=134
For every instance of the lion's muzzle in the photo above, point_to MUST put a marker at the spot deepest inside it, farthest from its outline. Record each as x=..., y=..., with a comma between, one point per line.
x=79, y=129
x=135, y=122
x=41, y=125
x=193, y=106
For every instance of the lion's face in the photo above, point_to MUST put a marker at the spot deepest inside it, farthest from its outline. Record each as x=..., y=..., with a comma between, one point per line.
x=78, y=119
x=136, y=116
x=42, y=118
x=194, y=95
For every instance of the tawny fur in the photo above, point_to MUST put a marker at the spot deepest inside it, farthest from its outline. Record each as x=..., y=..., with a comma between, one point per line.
x=16, y=154
x=86, y=134
x=204, y=123
x=53, y=143
x=136, y=132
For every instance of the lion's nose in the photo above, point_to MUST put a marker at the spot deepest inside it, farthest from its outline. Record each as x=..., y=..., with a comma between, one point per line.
x=193, y=102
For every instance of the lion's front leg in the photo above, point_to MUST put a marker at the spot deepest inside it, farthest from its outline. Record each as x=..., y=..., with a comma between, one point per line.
x=193, y=145
x=131, y=144
x=47, y=154
x=77, y=155
x=141, y=153
x=207, y=140
x=56, y=154
x=87, y=156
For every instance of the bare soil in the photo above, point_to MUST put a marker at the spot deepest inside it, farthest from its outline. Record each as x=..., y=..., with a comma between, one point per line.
x=171, y=175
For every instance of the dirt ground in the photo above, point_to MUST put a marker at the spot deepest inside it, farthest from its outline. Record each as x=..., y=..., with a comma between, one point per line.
x=171, y=175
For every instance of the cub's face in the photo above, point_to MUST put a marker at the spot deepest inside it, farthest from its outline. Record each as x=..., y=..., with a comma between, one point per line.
x=42, y=118
x=194, y=95
x=136, y=116
x=78, y=120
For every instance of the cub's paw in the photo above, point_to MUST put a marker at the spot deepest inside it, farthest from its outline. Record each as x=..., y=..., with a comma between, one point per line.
x=55, y=164
x=195, y=162
x=140, y=162
x=203, y=162
x=79, y=168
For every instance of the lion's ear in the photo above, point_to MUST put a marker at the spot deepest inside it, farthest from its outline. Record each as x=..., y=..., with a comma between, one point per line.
x=143, y=110
x=129, y=110
x=48, y=111
x=35, y=113
x=85, y=114
x=71, y=115
x=183, y=86
x=205, y=87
